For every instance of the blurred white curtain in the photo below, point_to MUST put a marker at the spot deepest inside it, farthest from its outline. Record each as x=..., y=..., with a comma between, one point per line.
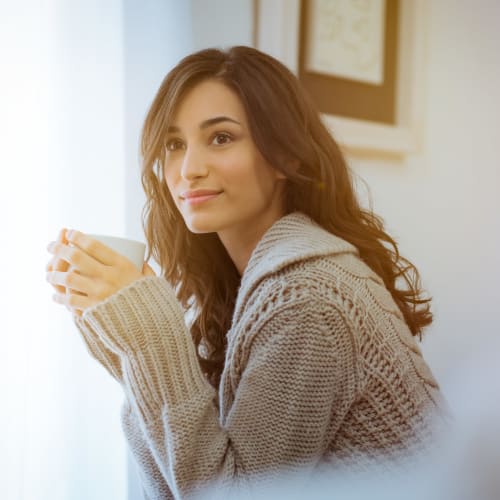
x=76, y=79
x=62, y=164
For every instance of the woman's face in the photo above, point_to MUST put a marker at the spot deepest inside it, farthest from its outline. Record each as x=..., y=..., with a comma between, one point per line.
x=217, y=178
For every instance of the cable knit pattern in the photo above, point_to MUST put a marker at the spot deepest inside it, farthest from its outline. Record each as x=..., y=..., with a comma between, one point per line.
x=320, y=369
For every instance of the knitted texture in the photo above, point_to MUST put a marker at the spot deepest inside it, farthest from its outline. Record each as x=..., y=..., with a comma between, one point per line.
x=320, y=368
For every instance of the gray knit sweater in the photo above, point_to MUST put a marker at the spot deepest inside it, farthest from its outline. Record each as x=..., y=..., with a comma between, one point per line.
x=320, y=368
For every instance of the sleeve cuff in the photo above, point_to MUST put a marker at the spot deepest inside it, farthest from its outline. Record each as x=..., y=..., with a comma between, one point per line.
x=144, y=323
x=107, y=358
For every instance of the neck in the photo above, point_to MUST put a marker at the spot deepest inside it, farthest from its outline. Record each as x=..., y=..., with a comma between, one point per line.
x=241, y=241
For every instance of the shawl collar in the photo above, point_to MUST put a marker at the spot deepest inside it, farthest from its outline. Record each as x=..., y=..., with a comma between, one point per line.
x=293, y=238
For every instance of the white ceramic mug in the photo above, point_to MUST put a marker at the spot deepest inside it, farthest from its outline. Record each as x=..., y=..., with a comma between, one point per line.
x=132, y=249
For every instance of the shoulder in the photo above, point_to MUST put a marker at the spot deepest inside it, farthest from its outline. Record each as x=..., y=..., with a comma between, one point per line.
x=310, y=289
x=298, y=305
x=289, y=245
x=332, y=279
x=299, y=261
x=338, y=295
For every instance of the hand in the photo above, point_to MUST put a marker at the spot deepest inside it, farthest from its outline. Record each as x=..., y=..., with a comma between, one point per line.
x=56, y=264
x=85, y=272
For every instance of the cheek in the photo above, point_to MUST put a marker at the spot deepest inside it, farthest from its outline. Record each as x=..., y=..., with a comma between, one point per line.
x=170, y=187
x=170, y=179
x=245, y=169
x=169, y=183
x=243, y=181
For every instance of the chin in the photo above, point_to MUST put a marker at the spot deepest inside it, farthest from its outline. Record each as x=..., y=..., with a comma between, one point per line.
x=201, y=223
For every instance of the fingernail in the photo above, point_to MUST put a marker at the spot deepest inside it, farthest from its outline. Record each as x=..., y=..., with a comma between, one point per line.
x=69, y=234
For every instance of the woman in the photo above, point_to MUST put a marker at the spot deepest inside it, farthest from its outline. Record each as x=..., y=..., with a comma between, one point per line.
x=300, y=349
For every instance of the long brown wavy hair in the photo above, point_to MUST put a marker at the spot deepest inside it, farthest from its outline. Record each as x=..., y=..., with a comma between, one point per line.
x=287, y=129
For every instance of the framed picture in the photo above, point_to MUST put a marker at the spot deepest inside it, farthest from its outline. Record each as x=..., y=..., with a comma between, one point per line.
x=360, y=60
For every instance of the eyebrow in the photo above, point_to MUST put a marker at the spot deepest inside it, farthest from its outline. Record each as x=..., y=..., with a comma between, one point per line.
x=205, y=124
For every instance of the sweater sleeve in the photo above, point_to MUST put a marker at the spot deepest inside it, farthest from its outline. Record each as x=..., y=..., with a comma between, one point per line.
x=108, y=359
x=153, y=483
x=281, y=416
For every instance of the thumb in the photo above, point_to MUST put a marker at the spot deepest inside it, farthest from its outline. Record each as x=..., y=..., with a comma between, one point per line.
x=147, y=270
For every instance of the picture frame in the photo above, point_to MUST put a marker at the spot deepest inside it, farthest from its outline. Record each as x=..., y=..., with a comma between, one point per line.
x=277, y=32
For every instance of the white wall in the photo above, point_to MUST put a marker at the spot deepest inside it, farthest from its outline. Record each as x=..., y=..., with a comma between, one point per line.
x=222, y=23
x=443, y=204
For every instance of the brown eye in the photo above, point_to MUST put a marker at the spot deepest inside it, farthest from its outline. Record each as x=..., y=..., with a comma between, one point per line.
x=173, y=145
x=221, y=138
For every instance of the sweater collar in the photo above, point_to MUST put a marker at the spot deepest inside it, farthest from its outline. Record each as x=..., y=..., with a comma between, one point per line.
x=293, y=238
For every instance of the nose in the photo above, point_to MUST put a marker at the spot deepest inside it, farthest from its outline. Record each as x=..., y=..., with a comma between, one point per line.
x=193, y=164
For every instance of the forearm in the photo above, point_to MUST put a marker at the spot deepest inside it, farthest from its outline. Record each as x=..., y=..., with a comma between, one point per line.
x=163, y=383
x=108, y=359
x=153, y=481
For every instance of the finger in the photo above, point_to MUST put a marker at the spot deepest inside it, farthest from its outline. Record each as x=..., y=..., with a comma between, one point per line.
x=54, y=264
x=73, y=302
x=96, y=249
x=75, y=257
x=71, y=281
x=61, y=265
x=147, y=270
x=61, y=237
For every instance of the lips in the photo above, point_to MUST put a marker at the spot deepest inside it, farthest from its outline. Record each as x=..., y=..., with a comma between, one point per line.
x=199, y=196
x=199, y=193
